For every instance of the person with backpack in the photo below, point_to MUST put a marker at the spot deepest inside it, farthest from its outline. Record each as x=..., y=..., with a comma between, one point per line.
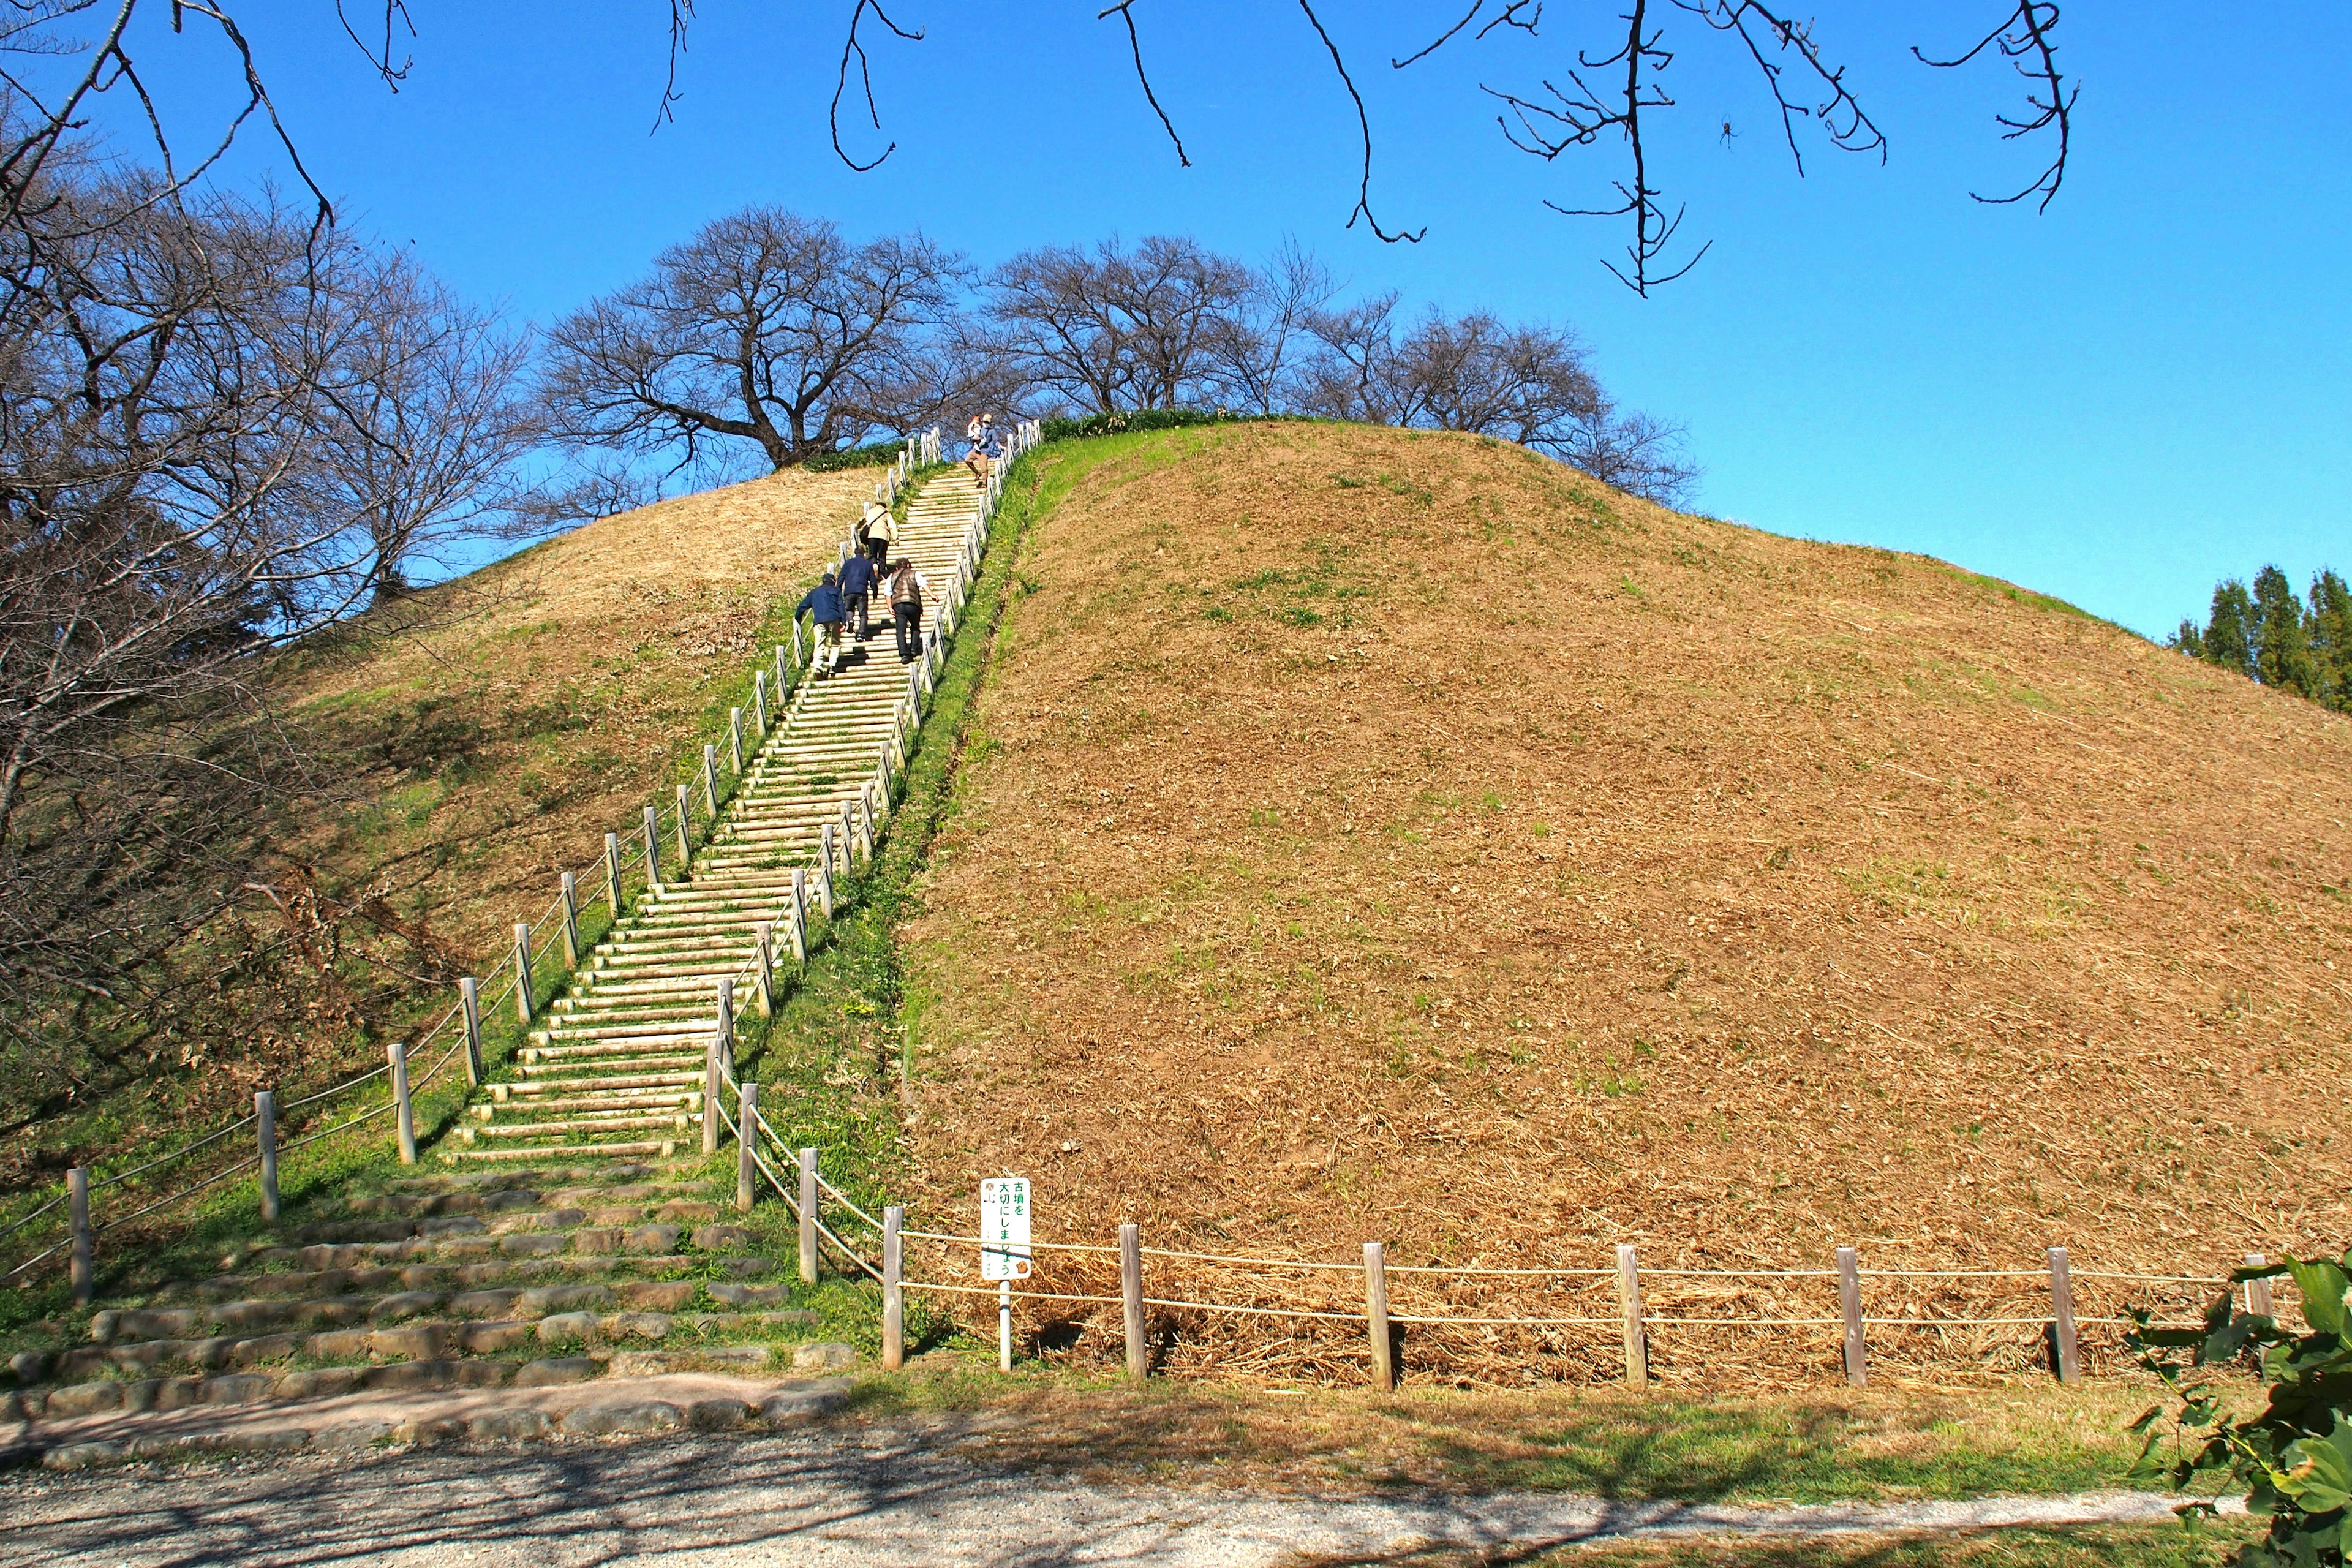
x=822, y=604
x=906, y=589
x=985, y=448
x=881, y=531
x=858, y=578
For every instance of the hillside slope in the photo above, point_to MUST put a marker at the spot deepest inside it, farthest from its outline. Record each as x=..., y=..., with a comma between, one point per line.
x=1400, y=836
x=465, y=763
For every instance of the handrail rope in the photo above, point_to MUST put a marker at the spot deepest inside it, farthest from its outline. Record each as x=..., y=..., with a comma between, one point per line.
x=348, y=1084
x=386, y=1109
x=246, y=1163
x=49, y=1251
x=1538, y=1273
x=846, y=1200
x=14, y=1225
x=792, y=1200
x=180, y=1152
x=847, y=1250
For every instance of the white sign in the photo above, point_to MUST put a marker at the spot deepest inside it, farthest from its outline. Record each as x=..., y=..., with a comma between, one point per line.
x=1004, y=1228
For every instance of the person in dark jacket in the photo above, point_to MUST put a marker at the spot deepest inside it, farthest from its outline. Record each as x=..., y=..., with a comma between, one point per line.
x=822, y=604
x=906, y=586
x=857, y=578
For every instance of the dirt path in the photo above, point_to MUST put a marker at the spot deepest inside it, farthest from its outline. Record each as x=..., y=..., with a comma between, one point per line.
x=882, y=1495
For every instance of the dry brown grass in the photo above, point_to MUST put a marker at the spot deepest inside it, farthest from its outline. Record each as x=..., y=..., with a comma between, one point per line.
x=551, y=701
x=1586, y=873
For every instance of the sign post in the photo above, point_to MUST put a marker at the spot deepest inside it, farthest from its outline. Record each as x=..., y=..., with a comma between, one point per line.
x=1005, y=1250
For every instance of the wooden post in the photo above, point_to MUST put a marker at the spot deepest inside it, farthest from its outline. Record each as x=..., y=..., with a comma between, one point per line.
x=1376, y=1316
x=406, y=1114
x=265, y=1120
x=783, y=670
x=711, y=779
x=613, y=872
x=712, y=1079
x=652, y=852
x=84, y=1265
x=824, y=873
x=2258, y=1292
x=894, y=1303
x=1849, y=1266
x=525, y=982
x=764, y=975
x=2062, y=1318
x=1629, y=1303
x=760, y=703
x=800, y=915
x=571, y=901
x=1004, y=1325
x=735, y=738
x=747, y=1108
x=685, y=821
x=866, y=834
x=469, y=1008
x=848, y=840
x=808, y=1216
x=1130, y=1289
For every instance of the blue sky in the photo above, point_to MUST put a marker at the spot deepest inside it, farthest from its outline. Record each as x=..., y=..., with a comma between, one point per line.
x=2118, y=402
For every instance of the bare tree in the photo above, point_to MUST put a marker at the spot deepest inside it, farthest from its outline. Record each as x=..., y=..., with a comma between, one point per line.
x=1350, y=375
x=1112, y=329
x=1532, y=384
x=766, y=328
x=202, y=463
x=1629, y=451
x=428, y=423
x=1254, y=354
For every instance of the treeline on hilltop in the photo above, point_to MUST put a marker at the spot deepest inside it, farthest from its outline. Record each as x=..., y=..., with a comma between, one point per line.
x=772, y=337
x=2269, y=635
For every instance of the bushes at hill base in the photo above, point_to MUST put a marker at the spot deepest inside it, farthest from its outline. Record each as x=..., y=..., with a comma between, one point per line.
x=2294, y=1457
x=2270, y=635
x=880, y=454
x=1122, y=420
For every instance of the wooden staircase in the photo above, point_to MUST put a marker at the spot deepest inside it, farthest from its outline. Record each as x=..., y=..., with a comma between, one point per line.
x=620, y=1063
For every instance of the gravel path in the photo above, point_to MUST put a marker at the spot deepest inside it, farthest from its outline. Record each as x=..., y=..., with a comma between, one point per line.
x=865, y=1497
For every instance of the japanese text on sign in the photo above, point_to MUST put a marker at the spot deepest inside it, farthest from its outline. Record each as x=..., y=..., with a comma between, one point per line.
x=1004, y=1228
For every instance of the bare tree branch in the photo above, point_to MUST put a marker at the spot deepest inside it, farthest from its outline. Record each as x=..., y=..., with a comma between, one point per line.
x=1126, y=13
x=379, y=56
x=1839, y=116
x=1364, y=122
x=851, y=45
x=2024, y=39
x=681, y=16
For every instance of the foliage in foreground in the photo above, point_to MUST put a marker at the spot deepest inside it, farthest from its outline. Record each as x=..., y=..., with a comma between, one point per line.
x=2294, y=1455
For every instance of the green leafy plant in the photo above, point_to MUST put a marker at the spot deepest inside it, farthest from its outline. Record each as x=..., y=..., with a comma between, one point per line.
x=2294, y=1455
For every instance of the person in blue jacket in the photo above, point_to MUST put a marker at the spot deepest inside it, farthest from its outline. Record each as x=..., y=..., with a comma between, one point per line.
x=822, y=604
x=856, y=586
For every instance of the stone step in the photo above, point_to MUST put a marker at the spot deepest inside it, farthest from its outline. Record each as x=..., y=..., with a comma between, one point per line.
x=666, y=1148
x=568, y=1104
x=538, y=1086
x=577, y=1126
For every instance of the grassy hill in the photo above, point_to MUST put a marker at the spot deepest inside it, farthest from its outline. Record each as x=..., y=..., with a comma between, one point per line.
x=467, y=760
x=1376, y=835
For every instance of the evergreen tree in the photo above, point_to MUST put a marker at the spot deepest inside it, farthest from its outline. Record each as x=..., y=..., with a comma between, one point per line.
x=2281, y=640
x=2229, y=631
x=2331, y=639
x=2187, y=640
